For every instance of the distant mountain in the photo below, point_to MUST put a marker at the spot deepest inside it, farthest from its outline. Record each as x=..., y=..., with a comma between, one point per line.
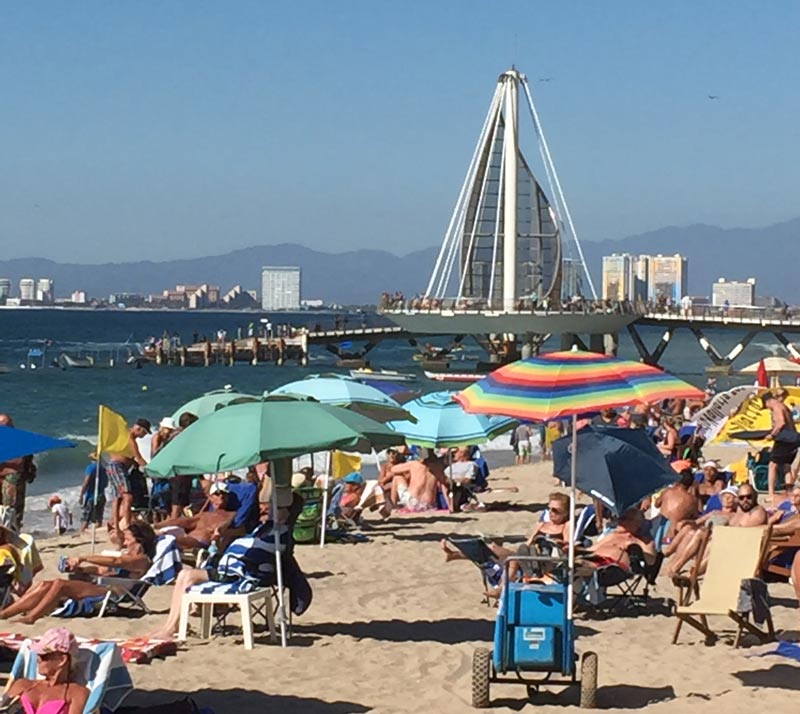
x=355, y=277
x=767, y=254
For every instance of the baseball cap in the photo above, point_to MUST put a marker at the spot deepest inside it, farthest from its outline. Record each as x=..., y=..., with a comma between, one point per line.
x=353, y=477
x=56, y=639
x=730, y=489
x=144, y=424
x=710, y=465
x=219, y=487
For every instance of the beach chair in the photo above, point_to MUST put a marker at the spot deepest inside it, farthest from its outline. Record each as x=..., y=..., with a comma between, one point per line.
x=100, y=668
x=475, y=549
x=730, y=587
x=758, y=470
x=778, y=558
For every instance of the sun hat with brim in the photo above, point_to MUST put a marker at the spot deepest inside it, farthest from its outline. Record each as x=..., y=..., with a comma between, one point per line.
x=167, y=423
x=730, y=489
x=56, y=639
x=710, y=465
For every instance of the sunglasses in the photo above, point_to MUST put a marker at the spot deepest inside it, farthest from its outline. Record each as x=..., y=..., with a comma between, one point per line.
x=555, y=510
x=743, y=496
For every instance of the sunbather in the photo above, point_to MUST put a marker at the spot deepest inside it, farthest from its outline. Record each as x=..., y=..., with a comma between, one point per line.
x=56, y=691
x=415, y=484
x=44, y=598
x=678, y=503
x=197, y=531
x=612, y=548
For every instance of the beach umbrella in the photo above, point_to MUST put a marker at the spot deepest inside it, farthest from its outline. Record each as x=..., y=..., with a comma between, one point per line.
x=563, y=384
x=441, y=422
x=620, y=467
x=211, y=401
x=18, y=442
x=348, y=393
x=768, y=370
x=241, y=435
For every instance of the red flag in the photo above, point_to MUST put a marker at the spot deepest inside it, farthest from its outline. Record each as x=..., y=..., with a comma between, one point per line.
x=762, y=378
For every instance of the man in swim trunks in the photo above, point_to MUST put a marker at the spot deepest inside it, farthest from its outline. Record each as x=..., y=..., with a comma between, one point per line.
x=198, y=531
x=613, y=548
x=416, y=483
x=118, y=468
x=15, y=475
x=678, y=502
x=785, y=441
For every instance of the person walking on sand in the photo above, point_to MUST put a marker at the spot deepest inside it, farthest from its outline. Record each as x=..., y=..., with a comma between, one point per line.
x=785, y=442
x=118, y=469
x=92, y=512
x=15, y=475
x=62, y=518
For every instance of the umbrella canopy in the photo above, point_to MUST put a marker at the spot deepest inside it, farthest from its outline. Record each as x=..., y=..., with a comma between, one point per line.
x=566, y=383
x=442, y=422
x=18, y=442
x=241, y=435
x=346, y=392
x=618, y=466
x=772, y=365
x=211, y=401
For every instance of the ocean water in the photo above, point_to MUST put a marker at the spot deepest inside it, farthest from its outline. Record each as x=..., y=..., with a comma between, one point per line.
x=64, y=402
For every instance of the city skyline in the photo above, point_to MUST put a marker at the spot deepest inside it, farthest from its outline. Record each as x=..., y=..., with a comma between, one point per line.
x=133, y=146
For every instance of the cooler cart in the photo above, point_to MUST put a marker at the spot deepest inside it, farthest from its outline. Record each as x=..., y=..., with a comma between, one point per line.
x=533, y=635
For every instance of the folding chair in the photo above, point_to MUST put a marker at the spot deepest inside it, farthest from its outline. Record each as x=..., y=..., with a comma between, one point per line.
x=475, y=549
x=780, y=553
x=735, y=555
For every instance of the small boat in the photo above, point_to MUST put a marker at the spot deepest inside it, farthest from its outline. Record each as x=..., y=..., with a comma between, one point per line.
x=383, y=375
x=4, y=369
x=454, y=376
x=66, y=361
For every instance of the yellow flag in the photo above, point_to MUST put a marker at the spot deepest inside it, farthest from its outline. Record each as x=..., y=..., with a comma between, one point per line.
x=112, y=433
x=343, y=464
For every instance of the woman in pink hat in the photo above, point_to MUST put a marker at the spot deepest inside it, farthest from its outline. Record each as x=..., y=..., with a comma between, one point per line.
x=56, y=692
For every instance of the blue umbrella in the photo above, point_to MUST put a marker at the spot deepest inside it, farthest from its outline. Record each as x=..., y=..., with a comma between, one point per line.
x=443, y=422
x=618, y=466
x=18, y=442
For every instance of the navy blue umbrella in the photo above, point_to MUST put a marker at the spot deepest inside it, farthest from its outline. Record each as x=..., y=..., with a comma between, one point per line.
x=618, y=466
x=18, y=442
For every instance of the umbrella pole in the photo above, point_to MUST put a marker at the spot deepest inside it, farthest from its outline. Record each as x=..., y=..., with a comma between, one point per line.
x=571, y=548
x=278, y=555
x=97, y=475
x=322, y=530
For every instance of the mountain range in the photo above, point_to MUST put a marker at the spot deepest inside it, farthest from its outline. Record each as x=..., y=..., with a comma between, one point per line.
x=359, y=277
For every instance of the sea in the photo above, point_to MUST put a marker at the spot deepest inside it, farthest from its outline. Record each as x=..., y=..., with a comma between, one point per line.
x=64, y=403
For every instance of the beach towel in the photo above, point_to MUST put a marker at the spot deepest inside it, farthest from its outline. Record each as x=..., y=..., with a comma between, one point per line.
x=100, y=668
x=784, y=649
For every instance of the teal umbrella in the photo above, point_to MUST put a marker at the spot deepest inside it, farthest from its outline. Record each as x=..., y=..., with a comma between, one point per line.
x=441, y=422
x=348, y=393
x=273, y=428
x=211, y=401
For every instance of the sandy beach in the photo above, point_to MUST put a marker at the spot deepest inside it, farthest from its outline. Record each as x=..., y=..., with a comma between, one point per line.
x=392, y=629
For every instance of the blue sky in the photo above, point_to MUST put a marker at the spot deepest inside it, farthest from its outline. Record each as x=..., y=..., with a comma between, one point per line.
x=178, y=129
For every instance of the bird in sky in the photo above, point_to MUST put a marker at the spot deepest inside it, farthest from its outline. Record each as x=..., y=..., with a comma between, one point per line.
x=713, y=96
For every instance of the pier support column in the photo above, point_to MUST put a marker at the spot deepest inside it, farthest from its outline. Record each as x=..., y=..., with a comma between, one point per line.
x=787, y=344
x=254, y=345
x=207, y=354
x=611, y=343
x=597, y=343
x=527, y=349
x=570, y=340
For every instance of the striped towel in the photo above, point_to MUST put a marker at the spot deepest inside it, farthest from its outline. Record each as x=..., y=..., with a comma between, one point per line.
x=246, y=565
x=166, y=562
x=100, y=668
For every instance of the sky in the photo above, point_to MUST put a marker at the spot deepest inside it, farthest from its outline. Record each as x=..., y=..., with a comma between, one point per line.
x=180, y=129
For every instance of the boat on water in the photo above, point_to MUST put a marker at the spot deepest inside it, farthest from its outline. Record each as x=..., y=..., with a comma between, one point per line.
x=68, y=361
x=467, y=377
x=4, y=369
x=383, y=375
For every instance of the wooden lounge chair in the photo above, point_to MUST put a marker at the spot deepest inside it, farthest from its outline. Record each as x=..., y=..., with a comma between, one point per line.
x=773, y=566
x=734, y=555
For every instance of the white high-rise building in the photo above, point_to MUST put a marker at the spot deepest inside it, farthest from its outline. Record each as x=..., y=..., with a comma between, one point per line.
x=280, y=288
x=27, y=289
x=617, y=277
x=5, y=288
x=667, y=277
x=44, y=290
x=736, y=293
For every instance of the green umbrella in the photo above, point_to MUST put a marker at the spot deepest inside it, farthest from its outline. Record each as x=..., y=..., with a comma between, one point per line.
x=244, y=434
x=212, y=401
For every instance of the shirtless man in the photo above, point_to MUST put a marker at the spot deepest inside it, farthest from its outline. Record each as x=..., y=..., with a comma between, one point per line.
x=416, y=483
x=613, y=548
x=118, y=469
x=785, y=441
x=750, y=514
x=198, y=531
x=713, y=481
x=679, y=502
x=15, y=474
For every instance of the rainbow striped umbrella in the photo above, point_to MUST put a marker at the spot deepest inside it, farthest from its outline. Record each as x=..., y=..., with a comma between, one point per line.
x=563, y=384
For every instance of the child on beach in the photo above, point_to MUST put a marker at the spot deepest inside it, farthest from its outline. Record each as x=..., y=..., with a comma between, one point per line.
x=62, y=518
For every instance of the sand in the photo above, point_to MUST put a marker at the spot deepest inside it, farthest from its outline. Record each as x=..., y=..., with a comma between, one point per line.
x=392, y=629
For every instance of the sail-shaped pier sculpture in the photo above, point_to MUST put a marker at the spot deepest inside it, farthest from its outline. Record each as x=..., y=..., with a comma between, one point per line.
x=510, y=261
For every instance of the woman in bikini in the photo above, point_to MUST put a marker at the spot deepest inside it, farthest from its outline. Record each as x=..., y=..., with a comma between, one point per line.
x=55, y=692
x=135, y=561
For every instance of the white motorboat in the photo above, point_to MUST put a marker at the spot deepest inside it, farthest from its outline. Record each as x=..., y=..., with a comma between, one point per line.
x=383, y=375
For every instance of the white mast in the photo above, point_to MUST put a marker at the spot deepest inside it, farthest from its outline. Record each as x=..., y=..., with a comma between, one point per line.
x=510, y=188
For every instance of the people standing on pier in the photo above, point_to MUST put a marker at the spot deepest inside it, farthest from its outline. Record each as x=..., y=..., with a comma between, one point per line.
x=119, y=469
x=15, y=474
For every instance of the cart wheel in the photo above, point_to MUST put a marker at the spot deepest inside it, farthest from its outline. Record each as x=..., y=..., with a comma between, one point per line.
x=589, y=680
x=481, y=675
